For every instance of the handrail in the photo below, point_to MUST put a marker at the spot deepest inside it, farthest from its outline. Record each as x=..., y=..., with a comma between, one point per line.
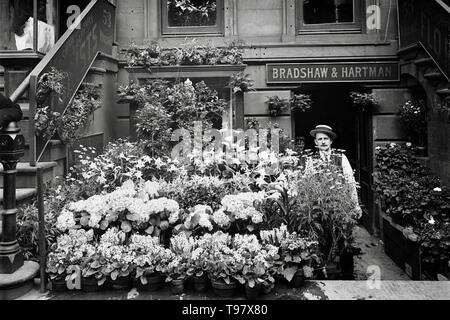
x=444, y=5
x=90, y=34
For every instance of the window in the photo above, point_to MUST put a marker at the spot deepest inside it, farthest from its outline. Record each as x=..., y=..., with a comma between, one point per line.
x=184, y=17
x=329, y=16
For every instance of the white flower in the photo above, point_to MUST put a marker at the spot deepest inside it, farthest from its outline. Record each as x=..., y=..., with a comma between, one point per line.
x=65, y=220
x=152, y=188
x=437, y=189
x=432, y=221
x=409, y=144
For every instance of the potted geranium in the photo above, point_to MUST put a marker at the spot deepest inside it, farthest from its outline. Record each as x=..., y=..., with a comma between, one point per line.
x=151, y=261
x=223, y=264
x=181, y=247
x=257, y=264
x=118, y=259
x=92, y=278
x=276, y=105
x=69, y=250
x=197, y=265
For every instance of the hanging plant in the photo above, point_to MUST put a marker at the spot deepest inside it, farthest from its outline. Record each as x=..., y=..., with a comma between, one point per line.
x=300, y=102
x=276, y=105
x=241, y=82
x=443, y=106
x=413, y=115
x=363, y=100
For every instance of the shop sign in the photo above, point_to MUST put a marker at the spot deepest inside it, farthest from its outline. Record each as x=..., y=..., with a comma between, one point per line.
x=333, y=72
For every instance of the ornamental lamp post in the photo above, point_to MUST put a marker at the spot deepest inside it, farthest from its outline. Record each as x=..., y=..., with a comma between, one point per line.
x=16, y=276
x=12, y=146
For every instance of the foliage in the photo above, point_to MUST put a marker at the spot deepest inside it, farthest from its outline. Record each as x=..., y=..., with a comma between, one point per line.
x=300, y=102
x=363, y=100
x=70, y=249
x=189, y=13
x=241, y=82
x=189, y=53
x=150, y=257
x=276, y=105
x=413, y=114
x=406, y=187
x=258, y=261
x=165, y=107
x=76, y=117
x=295, y=253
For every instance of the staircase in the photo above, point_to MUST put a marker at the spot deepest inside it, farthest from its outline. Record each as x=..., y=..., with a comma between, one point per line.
x=17, y=69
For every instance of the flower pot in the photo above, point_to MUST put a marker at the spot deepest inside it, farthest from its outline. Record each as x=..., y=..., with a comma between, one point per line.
x=59, y=285
x=89, y=284
x=298, y=280
x=252, y=293
x=121, y=283
x=201, y=283
x=177, y=286
x=224, y=290
x=154, y=282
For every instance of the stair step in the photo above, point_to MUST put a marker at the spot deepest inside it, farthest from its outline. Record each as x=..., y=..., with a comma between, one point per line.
x=433, y=75
x=22, y=194
x=423, y=61
x=26, y=175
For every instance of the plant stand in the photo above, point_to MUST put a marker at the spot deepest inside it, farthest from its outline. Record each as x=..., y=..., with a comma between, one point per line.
x=404, y=252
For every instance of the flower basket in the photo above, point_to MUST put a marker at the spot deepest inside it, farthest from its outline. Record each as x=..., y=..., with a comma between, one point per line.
x=121, y=283
x=252, y=293
x=59, y=284
x=90, y=284
x=154, y=282
x=201, y=283
x=223, y=289
x=177, y=286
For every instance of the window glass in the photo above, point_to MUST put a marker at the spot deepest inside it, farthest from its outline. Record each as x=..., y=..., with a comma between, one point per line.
x=17, y=24
x=192, y=17
x=327, y=11
x=191, y=13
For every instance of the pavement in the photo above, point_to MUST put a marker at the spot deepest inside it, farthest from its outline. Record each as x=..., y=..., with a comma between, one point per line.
x=376, y=278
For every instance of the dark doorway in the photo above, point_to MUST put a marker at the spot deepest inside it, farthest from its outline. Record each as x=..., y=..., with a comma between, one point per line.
x=331, y=106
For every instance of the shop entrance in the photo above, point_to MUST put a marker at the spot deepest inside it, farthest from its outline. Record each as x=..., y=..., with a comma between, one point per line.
x=332, y=106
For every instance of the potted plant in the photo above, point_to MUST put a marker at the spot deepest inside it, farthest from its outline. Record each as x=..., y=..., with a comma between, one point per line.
x=300, y=102
x=151, y=261
x=92, y=278
x=69, y=250
x=257, y=264
x=276, y=105
x=363, y=100
x=118, y=259
x=181, y=247
x=197, y=265
x=413, y=114
x=223, y=264
x=241, y=82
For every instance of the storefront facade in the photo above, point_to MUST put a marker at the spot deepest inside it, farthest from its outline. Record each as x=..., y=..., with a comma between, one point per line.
x=326, y=49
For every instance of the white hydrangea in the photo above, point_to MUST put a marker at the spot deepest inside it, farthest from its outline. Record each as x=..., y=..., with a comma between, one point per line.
x=65, y=221
x=221, y=218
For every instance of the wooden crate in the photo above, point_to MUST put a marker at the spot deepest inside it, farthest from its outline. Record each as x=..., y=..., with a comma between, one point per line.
x=404, y=252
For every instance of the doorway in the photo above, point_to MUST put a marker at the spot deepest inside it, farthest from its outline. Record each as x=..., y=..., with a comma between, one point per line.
x=333, y=106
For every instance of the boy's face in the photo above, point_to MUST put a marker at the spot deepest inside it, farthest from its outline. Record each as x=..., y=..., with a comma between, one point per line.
x=323, y=141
